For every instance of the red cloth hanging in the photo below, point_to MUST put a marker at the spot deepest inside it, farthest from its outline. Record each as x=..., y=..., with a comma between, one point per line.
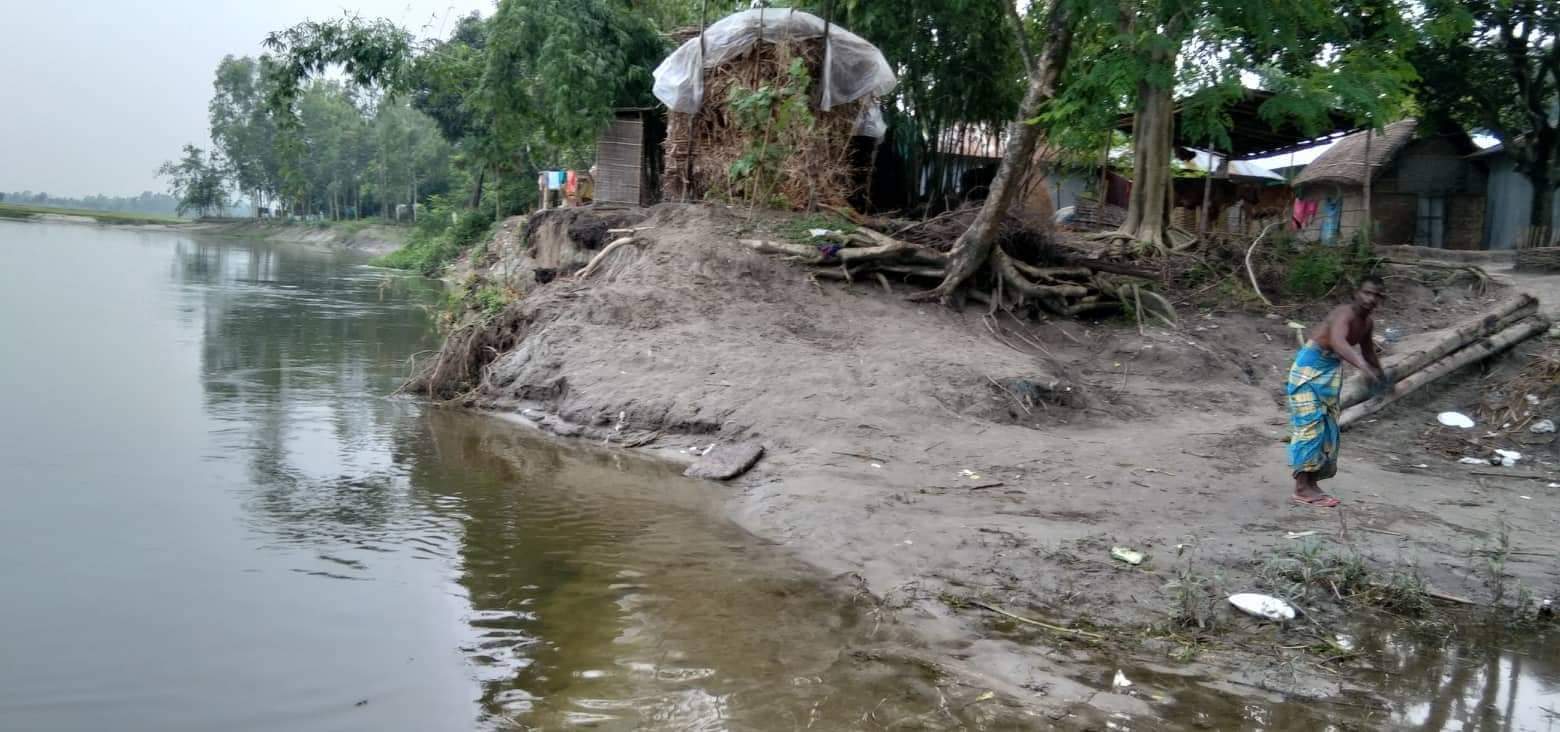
x=1304, y=212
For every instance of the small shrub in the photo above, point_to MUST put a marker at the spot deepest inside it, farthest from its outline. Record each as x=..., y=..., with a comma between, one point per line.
x=490, y=299
x=437, y=242
x=1195, y=598
x=1403, y=593
x=799, y=228
x=1315, y=272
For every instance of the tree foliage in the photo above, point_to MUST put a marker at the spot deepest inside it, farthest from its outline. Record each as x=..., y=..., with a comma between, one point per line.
x=197, y=180
x=1162, y=60
x=1495, y=65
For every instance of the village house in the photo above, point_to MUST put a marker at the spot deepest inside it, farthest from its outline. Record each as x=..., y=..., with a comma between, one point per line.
x=1425, y=189
x=1510, y=202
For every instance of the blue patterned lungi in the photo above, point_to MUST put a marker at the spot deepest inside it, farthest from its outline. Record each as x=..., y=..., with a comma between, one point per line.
x=1315, y=385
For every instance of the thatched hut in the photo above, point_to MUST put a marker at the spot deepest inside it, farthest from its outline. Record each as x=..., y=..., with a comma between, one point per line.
x=1424, y=189
x=763, y=107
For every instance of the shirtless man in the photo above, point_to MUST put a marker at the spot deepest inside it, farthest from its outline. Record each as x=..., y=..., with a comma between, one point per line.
x=1316, y=385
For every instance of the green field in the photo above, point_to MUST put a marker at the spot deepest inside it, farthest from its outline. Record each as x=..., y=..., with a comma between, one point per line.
x=24, y=211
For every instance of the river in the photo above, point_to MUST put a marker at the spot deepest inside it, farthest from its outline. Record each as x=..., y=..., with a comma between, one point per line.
x=217, y=517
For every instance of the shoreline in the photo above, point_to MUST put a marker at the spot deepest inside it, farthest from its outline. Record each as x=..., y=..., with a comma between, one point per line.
x=904, y=473
x=370, y=238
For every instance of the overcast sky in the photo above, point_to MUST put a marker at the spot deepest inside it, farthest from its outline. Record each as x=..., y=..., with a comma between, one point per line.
x=95, y=95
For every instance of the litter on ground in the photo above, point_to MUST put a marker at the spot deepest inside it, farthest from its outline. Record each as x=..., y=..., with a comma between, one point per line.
x=1263, y=606
x=1130, y=556
x=1455, y=419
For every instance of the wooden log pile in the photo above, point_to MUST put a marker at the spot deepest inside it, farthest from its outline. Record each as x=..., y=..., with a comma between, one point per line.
x=1510, y=323
x=1538, y=259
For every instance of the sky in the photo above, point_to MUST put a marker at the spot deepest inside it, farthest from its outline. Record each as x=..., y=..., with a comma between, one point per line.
x=95, y=94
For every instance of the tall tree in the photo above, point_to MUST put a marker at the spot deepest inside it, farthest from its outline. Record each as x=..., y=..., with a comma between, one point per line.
x=197, y=180
x=539, y=76
x=1318, y=54
x=1495, y=64
x=978, y=245
x=241, y=128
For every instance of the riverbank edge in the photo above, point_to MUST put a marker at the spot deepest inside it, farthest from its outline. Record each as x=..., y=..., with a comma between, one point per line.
x=372, y=239
x=375, y=239
x=819, y=512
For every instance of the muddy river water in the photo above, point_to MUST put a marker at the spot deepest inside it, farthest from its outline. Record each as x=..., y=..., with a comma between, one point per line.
x=215, y=517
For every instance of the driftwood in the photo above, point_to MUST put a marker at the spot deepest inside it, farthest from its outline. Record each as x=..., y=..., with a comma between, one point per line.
x=1496, y=320
x=1481, y=278
x=595, y=262
x=1478, y=350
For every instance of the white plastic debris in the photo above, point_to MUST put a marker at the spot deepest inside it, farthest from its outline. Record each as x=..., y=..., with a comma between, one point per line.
x=1508, y=458
x=819, y=232
x=1343, y=642
x=1299, y=534
x=853, y=68
x=1121, y=681
x=1542, y=427
x=1474, y=461
x=1454, y=419
x=1553, y=485
x=1125, y=554
x=1263, y=606
x=1531, y=399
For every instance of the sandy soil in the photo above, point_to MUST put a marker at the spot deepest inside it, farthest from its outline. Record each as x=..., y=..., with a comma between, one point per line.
x=898, y=460
x=375, y=239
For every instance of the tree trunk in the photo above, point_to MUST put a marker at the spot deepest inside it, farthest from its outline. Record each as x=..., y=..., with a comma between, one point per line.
x=1541, y=210
x=1202, y=211
x=1370, y=174
x=1147, y=224
x=476, y=190
x=974, y=246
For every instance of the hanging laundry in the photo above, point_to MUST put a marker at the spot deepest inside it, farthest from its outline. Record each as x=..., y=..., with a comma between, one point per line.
x=1332, y=217
x=1304, y=212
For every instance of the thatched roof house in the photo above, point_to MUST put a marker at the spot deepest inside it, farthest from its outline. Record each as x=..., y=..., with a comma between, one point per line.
x=1345, y=162
x=1424, y=189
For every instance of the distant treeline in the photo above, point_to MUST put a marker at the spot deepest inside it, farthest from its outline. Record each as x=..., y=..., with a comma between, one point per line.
x=160, y=204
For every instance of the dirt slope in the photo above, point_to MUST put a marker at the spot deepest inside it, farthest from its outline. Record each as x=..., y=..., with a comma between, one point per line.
x=937, y=456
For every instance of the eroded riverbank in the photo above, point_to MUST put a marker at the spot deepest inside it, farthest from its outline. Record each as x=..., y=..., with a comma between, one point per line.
x=902, y=457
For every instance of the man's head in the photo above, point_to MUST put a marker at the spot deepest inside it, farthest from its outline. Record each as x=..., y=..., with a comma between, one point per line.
x=1370, y=294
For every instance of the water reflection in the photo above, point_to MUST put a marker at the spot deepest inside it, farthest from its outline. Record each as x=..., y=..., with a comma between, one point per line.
x=1407, y=675
x=592, y=588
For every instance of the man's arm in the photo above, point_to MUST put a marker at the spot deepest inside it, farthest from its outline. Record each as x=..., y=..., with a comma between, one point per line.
x=1368, y=346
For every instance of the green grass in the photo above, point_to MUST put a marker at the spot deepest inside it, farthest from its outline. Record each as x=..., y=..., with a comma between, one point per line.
x=431, y=248
x=799, y=228
x=24, y=211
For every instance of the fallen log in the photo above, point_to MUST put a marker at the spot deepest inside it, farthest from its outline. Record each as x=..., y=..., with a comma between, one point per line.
x=1495, y=321
x=1476, y=351
x=595, y=262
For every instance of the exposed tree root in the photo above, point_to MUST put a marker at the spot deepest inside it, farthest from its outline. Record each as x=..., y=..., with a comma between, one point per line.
x=1153, y=243
x=1069, y=286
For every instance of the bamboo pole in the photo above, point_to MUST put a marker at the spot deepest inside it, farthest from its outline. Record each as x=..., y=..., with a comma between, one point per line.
x=1476, y=351
x=1494, y=321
